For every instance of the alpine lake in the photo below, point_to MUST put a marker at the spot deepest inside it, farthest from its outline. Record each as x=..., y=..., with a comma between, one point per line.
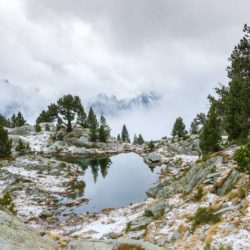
x=108, y=182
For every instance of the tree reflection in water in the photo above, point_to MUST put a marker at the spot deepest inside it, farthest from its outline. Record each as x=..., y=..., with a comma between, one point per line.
x=97, y=165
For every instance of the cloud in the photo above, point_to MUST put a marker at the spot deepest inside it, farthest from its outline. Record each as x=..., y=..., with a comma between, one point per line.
x=177, y=48
x=14, y=98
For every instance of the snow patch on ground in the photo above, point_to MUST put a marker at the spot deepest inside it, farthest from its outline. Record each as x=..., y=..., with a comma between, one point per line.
x=187, y=158
x=38, y=142
x=47, y=183
x=239, y=240
x=106, y=223
x=25, y=207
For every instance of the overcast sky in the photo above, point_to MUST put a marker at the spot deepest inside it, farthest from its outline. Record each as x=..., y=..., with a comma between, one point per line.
x=178, y=48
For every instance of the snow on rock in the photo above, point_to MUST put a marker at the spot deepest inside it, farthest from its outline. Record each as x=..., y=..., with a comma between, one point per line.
x=25, y=207
x=114, y=221
x=2, y=186
x=47, y=183
x=38, y=142
x=187, y=158
x=238, y=240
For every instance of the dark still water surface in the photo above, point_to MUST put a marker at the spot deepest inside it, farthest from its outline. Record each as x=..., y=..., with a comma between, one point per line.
x=113, y=182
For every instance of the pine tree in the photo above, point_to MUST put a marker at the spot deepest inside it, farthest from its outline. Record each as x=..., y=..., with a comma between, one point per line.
x=140, y=140
x=125, y=135
x=242, y=157
x=22, y=147
x=82, y=117
x=104, y=130
x=197, y=123
x=68, y=107
x=19, y=119
x=119, y=138
x=135, y=141
x=44, y=117
x=13, y=121
x=179, y=128
x=65, y=110
x=4, y=122
x=235, y=101
x=5, y=143
x=194, y=127
x=151, y=145
x=38, y=128
x=102, y=134
x=201, y=119
x=92, y=124
x=210, y=136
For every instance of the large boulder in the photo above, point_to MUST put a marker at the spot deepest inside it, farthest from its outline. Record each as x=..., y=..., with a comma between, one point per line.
x=24, y=130
x=14, y=235
x=156, y=210
x=139, y=223
x=154, y=157
x=80, y=244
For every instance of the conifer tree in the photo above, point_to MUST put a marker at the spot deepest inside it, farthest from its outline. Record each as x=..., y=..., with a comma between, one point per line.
x=91, y=117
x=65, y=110
x=38, y=128
x=22, y=147
x=179, y=128
x=19, y=120
x=4, y=122
x=140, y=140
x=242, y=156
x=135, y=141
x=68, y=107
x=5, y=143
x=151, y=145
x=125, y=135
x=44, y=117
x=235, y=101
x=194, y=127
x=104, y=130
x=13, y=121
x=82, y=117
x=93, y=125
x=197, y=123
x=119, y=138
x=210, y=136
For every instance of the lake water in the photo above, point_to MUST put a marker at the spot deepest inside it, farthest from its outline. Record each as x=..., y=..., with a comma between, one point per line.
x=112, y=182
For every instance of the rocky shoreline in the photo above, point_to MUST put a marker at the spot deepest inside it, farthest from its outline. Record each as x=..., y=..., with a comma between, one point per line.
x=186, y=183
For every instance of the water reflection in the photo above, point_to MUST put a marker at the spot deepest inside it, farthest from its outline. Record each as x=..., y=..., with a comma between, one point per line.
x=97, y=165
x=110, y=181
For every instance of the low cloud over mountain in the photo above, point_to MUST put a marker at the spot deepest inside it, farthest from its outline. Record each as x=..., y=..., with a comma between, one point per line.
x=111, y=105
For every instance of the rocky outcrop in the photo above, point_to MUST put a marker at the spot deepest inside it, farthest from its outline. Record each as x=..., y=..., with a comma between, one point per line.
x=201, y=172
x=108, y=245
x=16, y=235
x=139, y=223
x=154, y=157
x=156, y=210
x=24, y=130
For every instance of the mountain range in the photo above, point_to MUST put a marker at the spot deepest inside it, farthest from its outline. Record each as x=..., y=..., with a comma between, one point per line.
x=30, y=101
x=111, y=105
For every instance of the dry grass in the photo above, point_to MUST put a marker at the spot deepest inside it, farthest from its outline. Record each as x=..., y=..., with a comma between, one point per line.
x=125, y=246
x=244, y=209
x=211, y=232
x=182, y=229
